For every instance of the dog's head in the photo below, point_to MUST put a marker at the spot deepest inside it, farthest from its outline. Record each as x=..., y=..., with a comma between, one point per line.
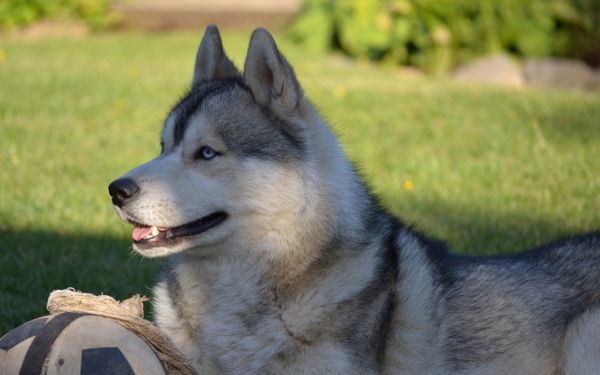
x=235, y=156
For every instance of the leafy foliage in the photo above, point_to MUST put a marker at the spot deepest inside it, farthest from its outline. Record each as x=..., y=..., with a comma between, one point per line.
x=437, y=34
x=95, y=13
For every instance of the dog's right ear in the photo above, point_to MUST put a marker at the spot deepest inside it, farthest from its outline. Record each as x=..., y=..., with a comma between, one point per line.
x=211, y=61
x=270, y=77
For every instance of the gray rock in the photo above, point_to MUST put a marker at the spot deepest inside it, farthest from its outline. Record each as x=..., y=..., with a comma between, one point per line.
x=561, y=73
x=496, y=69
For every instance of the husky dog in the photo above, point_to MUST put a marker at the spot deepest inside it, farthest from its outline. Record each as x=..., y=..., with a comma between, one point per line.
x=280, y=261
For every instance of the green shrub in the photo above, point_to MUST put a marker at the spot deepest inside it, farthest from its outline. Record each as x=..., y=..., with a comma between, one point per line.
x=435, y=35
x=586, y=36
x=95, y=13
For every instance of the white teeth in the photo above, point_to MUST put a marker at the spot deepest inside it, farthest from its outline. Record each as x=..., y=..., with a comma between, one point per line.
x=153, y=234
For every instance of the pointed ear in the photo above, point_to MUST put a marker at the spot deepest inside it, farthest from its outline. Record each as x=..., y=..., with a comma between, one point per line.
x=269, y=76
x=211, y=61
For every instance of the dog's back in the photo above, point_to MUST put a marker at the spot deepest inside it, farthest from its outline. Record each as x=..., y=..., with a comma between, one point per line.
x=513, y=314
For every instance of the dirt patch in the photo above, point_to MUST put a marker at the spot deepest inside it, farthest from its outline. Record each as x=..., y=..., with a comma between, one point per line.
x=49, y=29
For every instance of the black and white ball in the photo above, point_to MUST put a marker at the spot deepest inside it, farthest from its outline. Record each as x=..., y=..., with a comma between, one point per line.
x=73, y=343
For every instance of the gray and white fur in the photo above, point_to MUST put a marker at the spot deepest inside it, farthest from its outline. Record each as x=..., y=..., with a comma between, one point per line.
x=279, y=260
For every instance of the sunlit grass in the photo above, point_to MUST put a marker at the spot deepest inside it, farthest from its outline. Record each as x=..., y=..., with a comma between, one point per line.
x=488, y=169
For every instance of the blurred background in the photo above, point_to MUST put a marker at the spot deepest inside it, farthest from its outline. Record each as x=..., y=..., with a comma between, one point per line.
x=434, y=36
x=477, y=121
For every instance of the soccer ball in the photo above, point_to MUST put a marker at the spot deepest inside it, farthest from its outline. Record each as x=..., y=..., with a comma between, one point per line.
x=76, y=343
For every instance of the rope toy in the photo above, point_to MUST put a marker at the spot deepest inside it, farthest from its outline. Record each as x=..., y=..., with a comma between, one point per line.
x=128, y=313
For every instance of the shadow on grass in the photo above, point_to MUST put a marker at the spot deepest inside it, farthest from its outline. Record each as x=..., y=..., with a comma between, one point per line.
x=561, y=124
x=489, y=235
x=483, y=234
x=488, y=230
x=33, y=263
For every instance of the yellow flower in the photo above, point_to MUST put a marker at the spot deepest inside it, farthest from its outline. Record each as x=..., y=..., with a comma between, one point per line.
x=340, y=91
x=383, y=22
x=401, y=7
x=14, y=157
x=2, y=55
x=118, y=107
x=408, y=185
x=134, y=71
x=441, y=35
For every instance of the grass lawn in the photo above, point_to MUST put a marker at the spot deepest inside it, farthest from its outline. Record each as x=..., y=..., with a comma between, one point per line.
x=490, y=170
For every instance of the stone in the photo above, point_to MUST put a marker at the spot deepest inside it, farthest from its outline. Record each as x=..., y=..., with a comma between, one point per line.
x=561, y=73
x=496, y=69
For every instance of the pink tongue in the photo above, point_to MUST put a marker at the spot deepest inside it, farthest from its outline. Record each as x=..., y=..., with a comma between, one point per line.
x=140, y=233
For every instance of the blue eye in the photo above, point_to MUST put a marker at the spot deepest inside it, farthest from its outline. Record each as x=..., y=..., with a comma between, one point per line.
x=205, y=153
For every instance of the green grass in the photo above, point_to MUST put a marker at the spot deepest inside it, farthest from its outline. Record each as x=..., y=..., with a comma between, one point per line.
x=493, y=170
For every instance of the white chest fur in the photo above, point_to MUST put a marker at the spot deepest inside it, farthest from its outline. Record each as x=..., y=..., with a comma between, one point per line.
x=227, y=319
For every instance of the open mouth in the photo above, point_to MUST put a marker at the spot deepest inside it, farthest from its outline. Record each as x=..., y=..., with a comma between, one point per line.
x=156, y=236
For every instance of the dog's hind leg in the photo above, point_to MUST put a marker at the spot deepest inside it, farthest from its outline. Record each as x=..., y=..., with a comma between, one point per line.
x=582, y=345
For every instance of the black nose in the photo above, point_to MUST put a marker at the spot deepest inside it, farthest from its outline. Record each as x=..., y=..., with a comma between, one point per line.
x=121, y=190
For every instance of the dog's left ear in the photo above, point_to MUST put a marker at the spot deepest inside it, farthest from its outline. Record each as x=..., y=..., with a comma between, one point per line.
x=269, y=76
x=211, y=61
